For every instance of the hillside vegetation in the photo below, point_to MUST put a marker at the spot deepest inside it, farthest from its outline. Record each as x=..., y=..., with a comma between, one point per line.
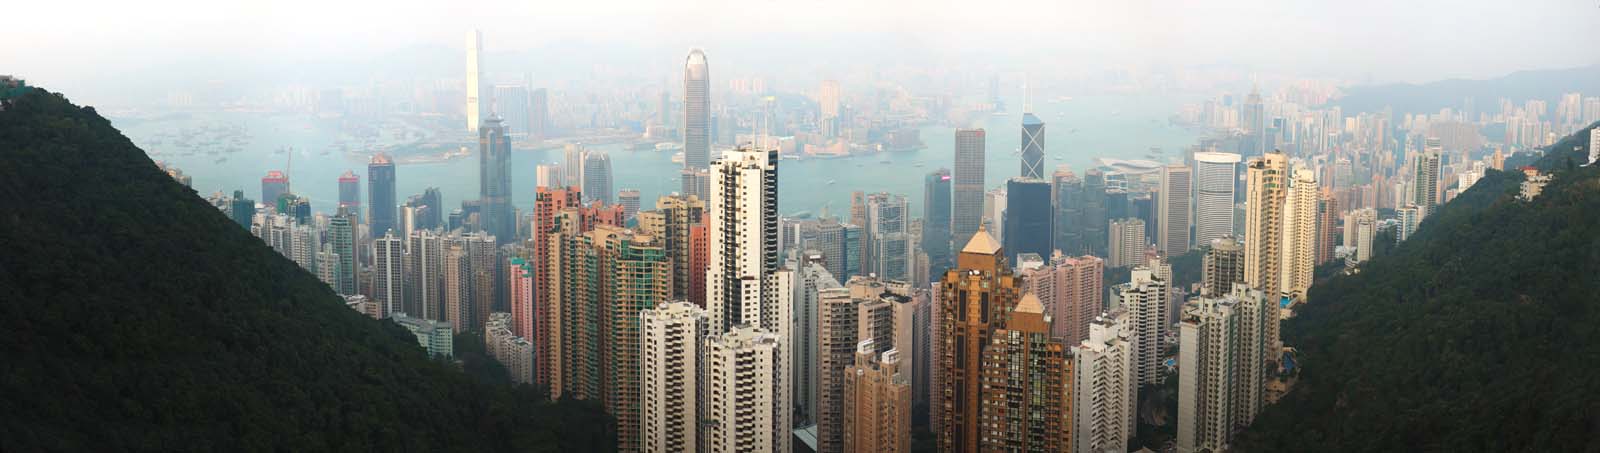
x=1476, y=334
x=138, y=317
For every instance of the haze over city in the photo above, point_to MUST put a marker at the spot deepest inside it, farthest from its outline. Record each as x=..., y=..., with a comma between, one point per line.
x=800, y=227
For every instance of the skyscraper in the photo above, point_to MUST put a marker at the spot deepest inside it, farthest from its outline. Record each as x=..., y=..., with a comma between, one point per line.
x=1093, y=209
x=743, y=212
x=696, y=112
x=597, y=177
x=1173, y=236
x=539, y=114
x=477, y=106
x=974, y=300
x=837, y=337
x=670, y=412
x=342, y=234
x=572, y=163
x=388, y=273
x=1215, y=176
x=877, y=402
x=639, y=280
x=380, y=194
x=1426, y=180
x=629, y=200
x=549, y=175
x=1126, y=247
x=1145, y=299
x=1029, y=218
x=350, y=191
x=888, y=250
x=1265, y=191
x=748, y=300
x=812, y=282
x=511, y=103
x=1032, y=411
x=1222, y=266
x=828, y=105
x=1105, y=389
x=966, y=188
x=740, y=396
x=1067, y=201
x=494, y=181
x=1217, y=357
x=671, y=221
x=1032, y=147
x=273, y=186
x=424, y=268
x=1300, y=233
x=936, y=220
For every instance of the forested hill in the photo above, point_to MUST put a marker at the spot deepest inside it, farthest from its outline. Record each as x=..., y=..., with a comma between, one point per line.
x=138, y=317
x=1477, y=334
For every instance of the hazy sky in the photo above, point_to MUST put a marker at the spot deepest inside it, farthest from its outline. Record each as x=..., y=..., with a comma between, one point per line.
x=104, y=44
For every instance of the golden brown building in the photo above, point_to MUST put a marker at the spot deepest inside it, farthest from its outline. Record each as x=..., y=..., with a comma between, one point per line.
x=974, y=300
x=877, y=403
x=1027, y=385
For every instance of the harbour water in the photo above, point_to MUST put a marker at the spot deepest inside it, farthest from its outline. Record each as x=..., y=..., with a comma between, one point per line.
x=1077, y=131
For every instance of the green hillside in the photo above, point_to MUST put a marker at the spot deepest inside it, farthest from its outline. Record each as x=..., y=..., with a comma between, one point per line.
x=1477, y=334
x=137, y=317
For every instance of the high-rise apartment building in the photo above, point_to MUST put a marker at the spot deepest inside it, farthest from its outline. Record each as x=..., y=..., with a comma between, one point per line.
x=549, y=175
x=1221, y=368
x=743, y=213
x=1173, y=235
x=812, y=282
x=746, y=288
x=513, y=352
x=837, y=337
x=1032, y=409
x=1105, y=390
x=342, y=236
x=671, y=221
x=1299, y=233
x=1125, y=246
x=1266, y=188
x=1425, y=181
x=966, y=185
x=629, y=200
x=670, y=371
x=1215, y=176
x=494, y=181
x=1145, y=300
x=640, y=279
x=1222, y=267
x=572, y=162
x=388, y=273
x=741, y=392
x=877, y=402
x=424, y=281
x=974, y=299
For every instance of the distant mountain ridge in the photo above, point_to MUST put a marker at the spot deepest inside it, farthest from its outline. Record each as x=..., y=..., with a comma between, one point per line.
x=138, y=317
x=1429, y=97
x=1475, y=334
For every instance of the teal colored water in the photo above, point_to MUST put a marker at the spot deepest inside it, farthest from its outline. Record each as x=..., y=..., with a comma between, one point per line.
x=1077, y=132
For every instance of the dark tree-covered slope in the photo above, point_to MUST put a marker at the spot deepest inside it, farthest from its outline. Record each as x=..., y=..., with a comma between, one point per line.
x=137, y=317
x=1479, y=333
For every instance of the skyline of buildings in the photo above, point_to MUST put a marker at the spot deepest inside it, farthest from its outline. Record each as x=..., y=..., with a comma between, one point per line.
x=834, y=321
